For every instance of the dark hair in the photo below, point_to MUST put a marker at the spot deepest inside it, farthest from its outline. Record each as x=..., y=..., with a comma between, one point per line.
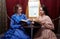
x=16, y=8
x=45, y=9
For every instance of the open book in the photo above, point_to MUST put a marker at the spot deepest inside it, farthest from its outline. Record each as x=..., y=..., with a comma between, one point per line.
x=23, y=22
x=37, y=24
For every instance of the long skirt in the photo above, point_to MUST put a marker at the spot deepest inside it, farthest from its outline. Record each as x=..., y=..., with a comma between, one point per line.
x=45, y=34
x=15, y=34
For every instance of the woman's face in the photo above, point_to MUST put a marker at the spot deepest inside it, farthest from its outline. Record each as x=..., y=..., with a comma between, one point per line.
x=41, y=11
x=19, y=9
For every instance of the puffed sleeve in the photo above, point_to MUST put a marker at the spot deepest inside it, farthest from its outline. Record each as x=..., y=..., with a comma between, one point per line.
x=48, y=23
x=12, y=25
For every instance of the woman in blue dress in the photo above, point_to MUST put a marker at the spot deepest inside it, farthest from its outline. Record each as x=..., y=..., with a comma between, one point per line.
x=16, y=30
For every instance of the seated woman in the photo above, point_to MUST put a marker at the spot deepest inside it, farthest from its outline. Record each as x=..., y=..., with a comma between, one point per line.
x=47, y=26
x=16, y=30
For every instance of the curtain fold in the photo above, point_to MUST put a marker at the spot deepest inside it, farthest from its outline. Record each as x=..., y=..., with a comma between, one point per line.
x=3, y=16
x=52, y=6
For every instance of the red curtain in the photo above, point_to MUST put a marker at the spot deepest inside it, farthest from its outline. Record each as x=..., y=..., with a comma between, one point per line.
x=11, y=3
x=52, y=6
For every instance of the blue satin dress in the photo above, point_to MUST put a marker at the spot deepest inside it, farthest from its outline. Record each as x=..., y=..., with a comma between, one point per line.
x=16, y=30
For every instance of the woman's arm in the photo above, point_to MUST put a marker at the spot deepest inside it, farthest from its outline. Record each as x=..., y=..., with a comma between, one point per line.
x=48, y=23
x=12, y=25
x=27, y=20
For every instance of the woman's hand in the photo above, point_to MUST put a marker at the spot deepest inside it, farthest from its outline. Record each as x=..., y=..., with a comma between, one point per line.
x=30, y=19
x=32, y=22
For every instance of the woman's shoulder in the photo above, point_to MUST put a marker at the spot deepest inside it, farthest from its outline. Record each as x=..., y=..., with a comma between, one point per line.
x=47, y=16
x=14, y=15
